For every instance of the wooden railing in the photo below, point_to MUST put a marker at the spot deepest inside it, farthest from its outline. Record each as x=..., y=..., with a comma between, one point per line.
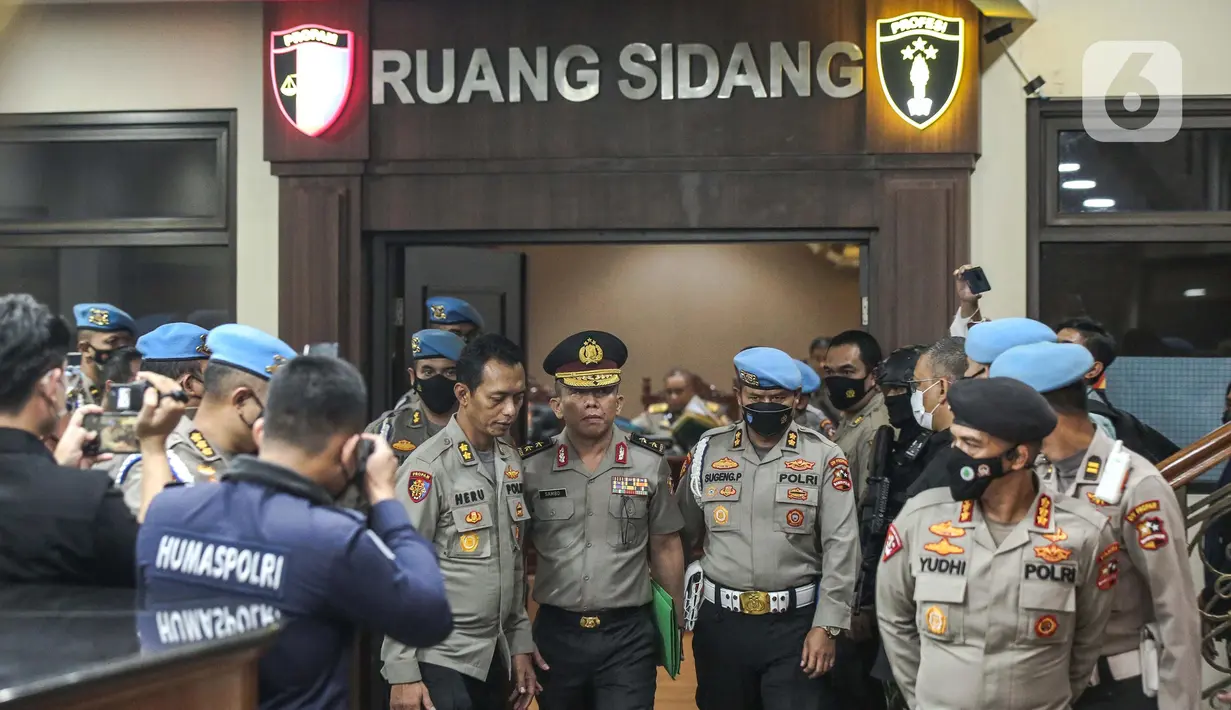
x=1180, y=470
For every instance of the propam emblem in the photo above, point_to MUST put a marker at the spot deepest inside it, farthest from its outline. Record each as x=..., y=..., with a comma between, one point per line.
x=919, y=57
x=312, y=69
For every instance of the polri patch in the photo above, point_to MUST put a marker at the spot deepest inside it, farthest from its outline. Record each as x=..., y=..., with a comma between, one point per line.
x=630, y=486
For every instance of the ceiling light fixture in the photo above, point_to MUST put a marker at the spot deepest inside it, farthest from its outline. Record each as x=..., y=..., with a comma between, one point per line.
x=1078, y=184
x=1099, y=203
x=1068, y=167
x=1194, y=293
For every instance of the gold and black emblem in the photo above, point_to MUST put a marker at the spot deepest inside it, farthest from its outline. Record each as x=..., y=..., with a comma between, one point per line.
x=919, y=57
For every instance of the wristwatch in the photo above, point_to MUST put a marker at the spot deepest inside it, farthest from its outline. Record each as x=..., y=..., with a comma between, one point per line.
x=832, y=631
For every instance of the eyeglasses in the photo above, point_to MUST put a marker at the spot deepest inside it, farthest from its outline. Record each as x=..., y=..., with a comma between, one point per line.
x=628, y=533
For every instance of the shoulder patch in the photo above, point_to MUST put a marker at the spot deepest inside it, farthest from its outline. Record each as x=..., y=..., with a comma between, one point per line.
x=657, y=408
x=198, y=440
x=537, y=447
x=647, y=444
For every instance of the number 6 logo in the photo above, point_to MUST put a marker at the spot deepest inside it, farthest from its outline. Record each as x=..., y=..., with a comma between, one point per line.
x=1132, y=92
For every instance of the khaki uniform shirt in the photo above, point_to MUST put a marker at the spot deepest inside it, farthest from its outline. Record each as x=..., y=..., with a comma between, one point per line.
x=475, y=519
x=774, y=523
x=1155, y=581
x=856, y=432
x=192, y=459
x=656, y=420
x=405, y=428
x=967, y=623
x=591, y=529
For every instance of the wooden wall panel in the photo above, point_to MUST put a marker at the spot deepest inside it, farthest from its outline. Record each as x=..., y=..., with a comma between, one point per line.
x=611, y=125
x=321, y=272
x=666, y=200
x=957, y=130
x=924, y=235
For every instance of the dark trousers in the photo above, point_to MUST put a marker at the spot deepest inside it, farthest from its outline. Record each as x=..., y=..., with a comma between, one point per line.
x=613, y=666
x=850, y=682
x=451, y=690
x=747, y=662
x=1115, y=694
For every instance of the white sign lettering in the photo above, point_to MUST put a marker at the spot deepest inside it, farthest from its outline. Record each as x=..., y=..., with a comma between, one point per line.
x=684, y=71
x=221, y=562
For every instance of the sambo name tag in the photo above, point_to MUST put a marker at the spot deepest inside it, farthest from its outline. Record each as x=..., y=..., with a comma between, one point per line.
x=630, y=486
x=553, y=493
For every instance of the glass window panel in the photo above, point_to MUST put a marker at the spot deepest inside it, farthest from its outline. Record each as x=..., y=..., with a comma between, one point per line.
x=155, y=285
x=74, y=181
x=1158, y=299
x=1189, y=173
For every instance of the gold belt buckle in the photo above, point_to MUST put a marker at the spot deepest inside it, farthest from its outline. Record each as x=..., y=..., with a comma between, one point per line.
x=590, y=622
x=754, y=603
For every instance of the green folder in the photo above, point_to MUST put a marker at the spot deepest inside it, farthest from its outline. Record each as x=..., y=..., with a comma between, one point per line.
x=668, y=630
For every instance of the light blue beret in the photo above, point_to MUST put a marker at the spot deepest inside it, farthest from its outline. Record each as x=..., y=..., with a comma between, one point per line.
x=767, y=369
x=1044, y=366
x=102, y=317
x=986, y=341
x=174, y=341
x=446, y=310
x=248, y=349
x=808, y=377
x=436, y=343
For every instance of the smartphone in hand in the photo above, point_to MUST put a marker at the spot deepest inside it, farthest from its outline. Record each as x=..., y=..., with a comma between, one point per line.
x=116, y=433
x=977, y=280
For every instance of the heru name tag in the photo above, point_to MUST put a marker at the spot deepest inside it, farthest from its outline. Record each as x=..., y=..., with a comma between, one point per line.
x=630, y=486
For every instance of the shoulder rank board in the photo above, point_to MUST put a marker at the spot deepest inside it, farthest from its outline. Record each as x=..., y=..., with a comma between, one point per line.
x=647, y=444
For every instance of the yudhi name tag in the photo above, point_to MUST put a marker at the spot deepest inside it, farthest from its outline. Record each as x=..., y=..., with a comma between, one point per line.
x=630, y=486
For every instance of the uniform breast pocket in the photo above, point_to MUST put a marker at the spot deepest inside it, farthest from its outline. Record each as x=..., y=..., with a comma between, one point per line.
x=795, y=509
x=940, y=607
x=628, y=521
x=475, y=525
x=719, y=503
x=1046, y=612
x=553, y=528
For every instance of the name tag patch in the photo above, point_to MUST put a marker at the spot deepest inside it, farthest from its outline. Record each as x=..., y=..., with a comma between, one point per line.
x=553, y=493
x=1066, y=574
x=630, y=486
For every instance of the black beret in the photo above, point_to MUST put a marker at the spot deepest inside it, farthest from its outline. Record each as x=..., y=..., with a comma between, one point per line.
x=588, y=359
x=1002, y=407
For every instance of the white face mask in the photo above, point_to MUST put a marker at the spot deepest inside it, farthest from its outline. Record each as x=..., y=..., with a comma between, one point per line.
x=922, y=417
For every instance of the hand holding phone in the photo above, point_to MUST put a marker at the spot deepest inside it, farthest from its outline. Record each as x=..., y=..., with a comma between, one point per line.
x=378, y=467
x=975, y=280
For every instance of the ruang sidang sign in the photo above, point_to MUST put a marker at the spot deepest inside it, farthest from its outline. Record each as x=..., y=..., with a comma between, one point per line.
x=918, y=57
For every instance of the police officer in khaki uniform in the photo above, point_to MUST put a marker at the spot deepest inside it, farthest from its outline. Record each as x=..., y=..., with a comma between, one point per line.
x=662, y=418
x=178, y=351
x=993, y=591
x=807, y=414
x=452, y=315
x=850, y=367
x=102, y=329
x=462, y=488
x=1155, y=591
x=242, y=360
x=772, y=504
x=598, y=504
x=433, y=374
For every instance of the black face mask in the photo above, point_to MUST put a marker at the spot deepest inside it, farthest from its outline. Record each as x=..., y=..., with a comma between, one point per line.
x=102, y=357
x=768, y=419
x=969, y=477
x=898, y=406
x=437, y=393
x=845, y=392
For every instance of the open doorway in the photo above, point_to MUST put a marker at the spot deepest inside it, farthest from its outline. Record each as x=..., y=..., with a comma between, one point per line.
x=684, y=304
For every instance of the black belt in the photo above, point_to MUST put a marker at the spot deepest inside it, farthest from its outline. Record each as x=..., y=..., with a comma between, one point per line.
x=591, y=619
